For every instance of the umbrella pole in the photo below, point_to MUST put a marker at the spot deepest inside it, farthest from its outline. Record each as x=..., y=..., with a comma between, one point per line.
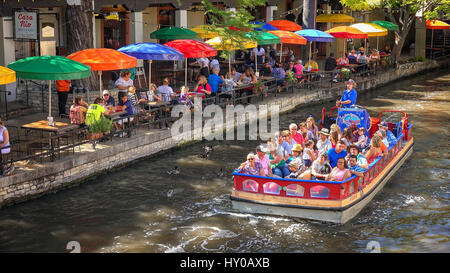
x=149, y=74
x=185, y=71
x=309, y=52
x=377, y=42
x=229, y=63
x=281, y=53
x=256, y=62
x=101, y=82
x=50, y=119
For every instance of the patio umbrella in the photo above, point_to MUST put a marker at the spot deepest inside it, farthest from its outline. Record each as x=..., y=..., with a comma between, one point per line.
x=49, y=68
x=173, y=33
x=334, y=18
x=386, y=24
x=288, y=37
x=260, y=26
x=150, y=52
x=285, y=25
x=263, y=38
x=192, y=49
x=103, y=59
x=217, y=44
x=346, y=32
x=7, y=75
x=436, y=24
x=372, y=30
x=314, y=35
x=203, y=32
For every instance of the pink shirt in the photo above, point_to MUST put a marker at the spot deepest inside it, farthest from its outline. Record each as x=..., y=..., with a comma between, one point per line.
x=265, y=162
x=206, y=87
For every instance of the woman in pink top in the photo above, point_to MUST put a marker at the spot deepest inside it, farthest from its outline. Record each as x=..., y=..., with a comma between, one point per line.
x=295, y=135
x=299, y=71
x=203, y=86
x=340, y=172
x=263, y=158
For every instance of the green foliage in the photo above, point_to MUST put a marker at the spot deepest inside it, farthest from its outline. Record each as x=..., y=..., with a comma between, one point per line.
x=259, y=86
x=290, y=77
x=419, y=59
x=345, y=73
x=222, y=20
x=103, y=125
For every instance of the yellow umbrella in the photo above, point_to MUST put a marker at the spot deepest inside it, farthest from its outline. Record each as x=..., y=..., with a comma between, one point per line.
x=7, y=75
x=229, y=45
x=203, y=32
x=334, y=18
x=372, y=30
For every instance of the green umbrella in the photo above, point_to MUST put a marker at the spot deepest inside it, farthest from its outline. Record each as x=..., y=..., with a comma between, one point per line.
x=50, y=68
x=385, y=24
x=263, y=38
x=173, y=33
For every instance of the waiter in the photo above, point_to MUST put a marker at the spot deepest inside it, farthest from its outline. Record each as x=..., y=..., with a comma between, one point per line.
x=63, y=88
x=349, y=96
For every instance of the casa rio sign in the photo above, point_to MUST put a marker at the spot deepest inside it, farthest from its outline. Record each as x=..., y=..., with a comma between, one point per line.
x=26, y=25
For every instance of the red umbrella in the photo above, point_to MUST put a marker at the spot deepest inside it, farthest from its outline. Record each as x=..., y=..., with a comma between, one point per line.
x=285, y=25
x=192, y=49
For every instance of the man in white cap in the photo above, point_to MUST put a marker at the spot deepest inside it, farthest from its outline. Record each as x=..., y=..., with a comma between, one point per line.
x=389, y=135
x=349, y=96
x=324, y=144
x=108, y=100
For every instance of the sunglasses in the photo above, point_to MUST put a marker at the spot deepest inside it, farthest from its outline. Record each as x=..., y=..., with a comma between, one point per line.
x=250, y=159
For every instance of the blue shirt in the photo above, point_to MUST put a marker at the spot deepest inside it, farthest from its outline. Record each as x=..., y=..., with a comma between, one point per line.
x=333, y=156
x=129, y=108
x=214, y=81
x=356, y=168
x=391, y=138
x=349, y=95
x=278, y=73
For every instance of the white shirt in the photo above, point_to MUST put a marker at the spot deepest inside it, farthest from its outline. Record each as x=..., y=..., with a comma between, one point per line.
x=261, y=52
x=214, y=64
x=165, y=91
x=121, y=81
x=204, y=60
x=323, y=146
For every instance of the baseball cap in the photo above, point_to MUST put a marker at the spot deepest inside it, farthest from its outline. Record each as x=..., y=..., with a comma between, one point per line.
x=105, y=92
x=384, y=124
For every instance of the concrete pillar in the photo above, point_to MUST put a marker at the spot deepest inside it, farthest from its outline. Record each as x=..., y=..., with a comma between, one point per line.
x=181, y=18
x=7, y=56
x=270, y=10
x=421, y=36
x=137, y=30
x=94, y=38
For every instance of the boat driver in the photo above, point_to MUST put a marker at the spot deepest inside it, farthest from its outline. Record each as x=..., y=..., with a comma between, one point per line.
x=348, y=98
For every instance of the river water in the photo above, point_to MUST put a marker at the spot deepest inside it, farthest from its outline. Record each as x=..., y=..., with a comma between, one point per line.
x=141, y=208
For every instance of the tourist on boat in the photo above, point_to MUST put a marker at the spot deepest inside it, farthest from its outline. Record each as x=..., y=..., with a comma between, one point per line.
x=278, y=162
x=375, y=149
x=361, y=160
x=307, y=134
x=347, y=136
x=166, y=91
x=311, y=126
x=288, y=142
x=389, y=135
x=251, y=167
x=296, y=135
x=203, y=87
x=353, y=167
x=263, y=159
x=4, y=144
x=349, y=96
x=336, y=153
x=340, y=172
x=297, y=155
x=321, y=167
x=298, y=171
x=334, y=134
x=362, y=138
x=77, y=113
x=382, y=134
x=308, y=153
x=323, y=144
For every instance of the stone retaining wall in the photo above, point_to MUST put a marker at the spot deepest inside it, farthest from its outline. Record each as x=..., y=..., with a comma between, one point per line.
x=75, y=169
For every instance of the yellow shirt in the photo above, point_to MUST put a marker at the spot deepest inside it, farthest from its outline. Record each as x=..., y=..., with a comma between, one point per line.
x=314, y=66
x=94, y=113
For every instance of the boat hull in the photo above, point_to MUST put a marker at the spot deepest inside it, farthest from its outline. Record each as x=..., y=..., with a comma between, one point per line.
x=340, y=213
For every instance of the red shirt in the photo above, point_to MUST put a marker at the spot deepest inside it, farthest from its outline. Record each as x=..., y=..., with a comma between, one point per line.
x=206, y=87
x=63, y=85
x=298, y=138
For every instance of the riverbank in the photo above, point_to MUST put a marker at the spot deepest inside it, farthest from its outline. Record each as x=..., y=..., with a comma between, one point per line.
x=86, y=162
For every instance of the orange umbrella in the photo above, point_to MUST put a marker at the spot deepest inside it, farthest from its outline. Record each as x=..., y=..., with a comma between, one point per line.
x=285, y=25
x=103, y=59
x=288, y=37
x=436, y=24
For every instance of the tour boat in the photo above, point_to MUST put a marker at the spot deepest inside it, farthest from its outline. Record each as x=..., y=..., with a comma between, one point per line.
x=327, y=201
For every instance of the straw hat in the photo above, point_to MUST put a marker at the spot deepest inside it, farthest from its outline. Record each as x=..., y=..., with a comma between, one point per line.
x=324, y=131
x=297, y=148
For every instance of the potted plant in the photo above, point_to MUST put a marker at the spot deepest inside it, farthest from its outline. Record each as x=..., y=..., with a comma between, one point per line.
x=291, y=79
x=105, y=125
x=345, y=73
x=94, y=131
x=259, y=87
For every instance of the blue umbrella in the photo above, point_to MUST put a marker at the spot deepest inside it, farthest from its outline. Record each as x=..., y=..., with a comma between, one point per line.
x=314, y=35
x=263, y=26
x=152, y=51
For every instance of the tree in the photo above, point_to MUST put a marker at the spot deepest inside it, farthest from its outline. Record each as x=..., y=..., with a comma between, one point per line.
x=407, y=11
x=80, y=34
x=232, y=26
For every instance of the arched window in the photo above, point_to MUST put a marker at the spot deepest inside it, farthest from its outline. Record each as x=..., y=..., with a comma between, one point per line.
x=272, y=188
x=320, y=191
x=295, y=190
x=250, y=185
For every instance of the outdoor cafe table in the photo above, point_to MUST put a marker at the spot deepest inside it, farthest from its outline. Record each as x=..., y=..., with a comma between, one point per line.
x=158, y=107
x=43, y=127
